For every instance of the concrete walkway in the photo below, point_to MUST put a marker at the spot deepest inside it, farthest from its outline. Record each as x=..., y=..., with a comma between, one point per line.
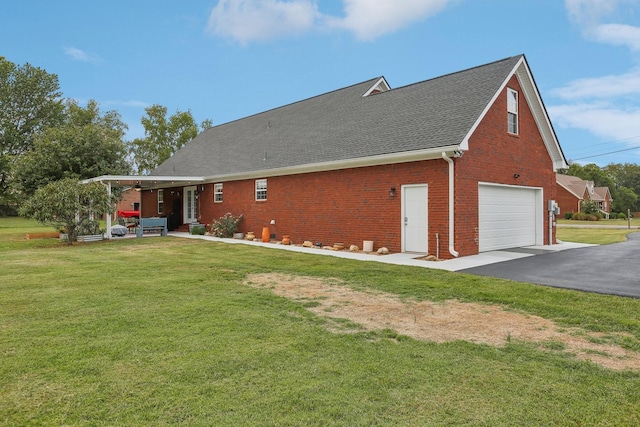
x=410, y=259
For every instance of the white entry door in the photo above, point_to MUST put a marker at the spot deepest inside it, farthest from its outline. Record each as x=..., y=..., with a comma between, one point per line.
x=414, y=216
x=189, y=207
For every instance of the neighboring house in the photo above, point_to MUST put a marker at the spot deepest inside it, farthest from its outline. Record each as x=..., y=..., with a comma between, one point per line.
x=129, y=200
x=572, y=191
x=451, y=166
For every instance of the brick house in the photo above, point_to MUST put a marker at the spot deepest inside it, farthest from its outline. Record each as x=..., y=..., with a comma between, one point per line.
x=129, y=200
x=572, y=191
x=454, y=166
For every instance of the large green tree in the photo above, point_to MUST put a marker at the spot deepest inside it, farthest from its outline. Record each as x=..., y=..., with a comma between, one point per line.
x=163, y=136
x=88, y=143
x=30, y=101
x=626, y=175
x=624, y=199
x=70, y=205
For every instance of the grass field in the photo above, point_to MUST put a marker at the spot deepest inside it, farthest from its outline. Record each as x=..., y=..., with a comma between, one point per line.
x=165, y=331
x=598, y=236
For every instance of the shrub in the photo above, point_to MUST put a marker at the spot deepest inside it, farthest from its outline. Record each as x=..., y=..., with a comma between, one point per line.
x=226, y=225
x=589, y=207
x=622, y=215
x=579, y=216
x=568, y=215
x=69, y=204
x=198, y=229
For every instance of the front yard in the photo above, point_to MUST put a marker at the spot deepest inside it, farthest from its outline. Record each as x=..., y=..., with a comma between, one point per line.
x=166, y=331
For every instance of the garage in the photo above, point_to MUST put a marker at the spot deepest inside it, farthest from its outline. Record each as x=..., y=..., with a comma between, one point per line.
x=509, y=217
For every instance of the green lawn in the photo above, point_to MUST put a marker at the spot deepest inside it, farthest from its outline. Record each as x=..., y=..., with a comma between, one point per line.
x=599, y=236
x=162, y=331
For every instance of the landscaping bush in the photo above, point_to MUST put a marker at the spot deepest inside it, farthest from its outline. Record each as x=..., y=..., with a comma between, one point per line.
x=568, y=215
x=199, y=230
x=621, y=215
x=582, y=216
x=226, y=225
x=589, y=207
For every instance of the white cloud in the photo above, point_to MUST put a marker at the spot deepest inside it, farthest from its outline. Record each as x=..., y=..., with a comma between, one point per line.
x=600, y=119
x=618, y=34
x=132, y=103
x=369, y=19
x=605, y=106
x=259, y=20
x=82, y=56
x=590, y=15
x=605, y=87
x=590, y=12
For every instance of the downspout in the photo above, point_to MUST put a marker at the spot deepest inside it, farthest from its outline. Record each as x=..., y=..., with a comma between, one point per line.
x=452, y=251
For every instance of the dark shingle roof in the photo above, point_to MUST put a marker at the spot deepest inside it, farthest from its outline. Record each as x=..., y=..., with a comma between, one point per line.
x=343, y=124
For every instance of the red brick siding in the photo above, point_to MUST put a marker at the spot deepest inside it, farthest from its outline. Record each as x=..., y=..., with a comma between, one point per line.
x=496, y=156
x=567, y=201
x=346, y=206
x=129, y=197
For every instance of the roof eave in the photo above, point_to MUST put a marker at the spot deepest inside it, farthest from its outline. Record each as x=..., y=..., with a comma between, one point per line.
x=409, y=156
x=146, y=181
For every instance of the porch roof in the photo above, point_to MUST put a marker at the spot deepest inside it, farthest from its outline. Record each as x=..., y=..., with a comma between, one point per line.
x=146, y=182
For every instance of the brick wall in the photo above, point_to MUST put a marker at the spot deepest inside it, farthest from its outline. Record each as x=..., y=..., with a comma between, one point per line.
x=567, y=201
x=346, y=206
x=129, y=197
x=496, y=156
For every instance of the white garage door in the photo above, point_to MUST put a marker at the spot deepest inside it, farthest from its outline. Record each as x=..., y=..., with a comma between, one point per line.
x=508, y=217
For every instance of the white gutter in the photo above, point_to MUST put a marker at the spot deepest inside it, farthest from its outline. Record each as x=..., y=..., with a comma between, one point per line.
x=382, y=159
x=452, y=251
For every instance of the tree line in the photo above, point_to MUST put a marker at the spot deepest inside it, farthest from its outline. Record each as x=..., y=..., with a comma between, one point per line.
x=45, y=137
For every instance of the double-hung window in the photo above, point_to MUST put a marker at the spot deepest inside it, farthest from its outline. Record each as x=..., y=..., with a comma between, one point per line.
x=261, y=189
x=160, y=201
x=512, y=111
x=217, y=193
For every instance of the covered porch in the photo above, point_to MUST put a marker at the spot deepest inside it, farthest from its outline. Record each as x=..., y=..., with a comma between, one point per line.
x=171, y=197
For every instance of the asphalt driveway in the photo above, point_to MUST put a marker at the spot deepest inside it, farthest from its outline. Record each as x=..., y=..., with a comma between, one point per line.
x=608, y=269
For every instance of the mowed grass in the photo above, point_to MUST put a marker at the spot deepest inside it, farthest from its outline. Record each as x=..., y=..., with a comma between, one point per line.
x=597, y=236
x=162, y=331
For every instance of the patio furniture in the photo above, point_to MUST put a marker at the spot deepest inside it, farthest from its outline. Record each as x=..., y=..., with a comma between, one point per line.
x=152, y=225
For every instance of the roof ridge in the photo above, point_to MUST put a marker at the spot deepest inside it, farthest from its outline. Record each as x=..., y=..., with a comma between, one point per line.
x=375, y=79
x=453, y=73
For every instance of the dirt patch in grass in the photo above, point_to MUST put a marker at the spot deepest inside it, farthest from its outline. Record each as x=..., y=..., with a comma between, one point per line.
x=444, y=321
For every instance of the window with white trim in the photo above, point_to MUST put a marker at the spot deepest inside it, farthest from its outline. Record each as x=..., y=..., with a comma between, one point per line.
x=512, y=111
x=261, y=189
x=160, y=201
x=217, y=193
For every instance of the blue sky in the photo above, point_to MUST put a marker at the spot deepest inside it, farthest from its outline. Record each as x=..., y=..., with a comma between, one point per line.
x=227, y=59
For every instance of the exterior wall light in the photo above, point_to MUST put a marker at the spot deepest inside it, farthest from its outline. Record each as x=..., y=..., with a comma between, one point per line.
x=392, y=192
x=516, y=175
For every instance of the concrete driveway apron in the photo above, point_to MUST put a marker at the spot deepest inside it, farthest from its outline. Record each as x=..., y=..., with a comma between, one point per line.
x=610, y=269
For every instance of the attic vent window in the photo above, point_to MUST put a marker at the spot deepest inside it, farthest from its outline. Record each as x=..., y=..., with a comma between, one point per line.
x=380, y=86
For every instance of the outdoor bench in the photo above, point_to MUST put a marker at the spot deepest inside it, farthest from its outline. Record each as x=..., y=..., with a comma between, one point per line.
x=152, y=224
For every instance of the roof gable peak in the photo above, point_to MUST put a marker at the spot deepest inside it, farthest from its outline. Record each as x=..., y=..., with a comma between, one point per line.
x=380, y=86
